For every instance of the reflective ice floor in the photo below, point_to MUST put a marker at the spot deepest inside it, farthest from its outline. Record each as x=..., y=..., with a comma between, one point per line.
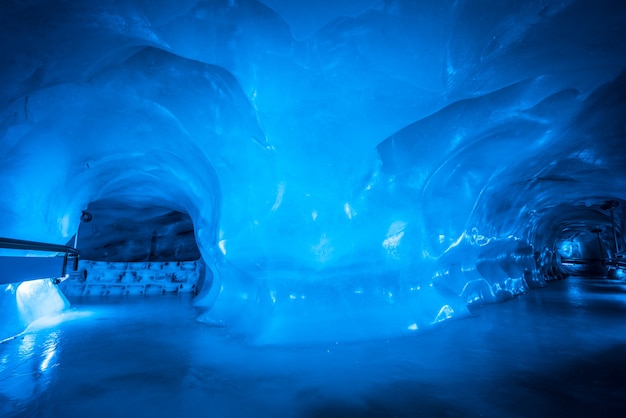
x=556, y=351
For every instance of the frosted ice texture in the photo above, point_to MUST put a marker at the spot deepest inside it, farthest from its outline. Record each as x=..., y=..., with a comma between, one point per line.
x=24, y=303
x=364, y=174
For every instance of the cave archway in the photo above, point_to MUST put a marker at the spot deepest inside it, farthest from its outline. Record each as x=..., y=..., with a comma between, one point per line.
x=119, y=231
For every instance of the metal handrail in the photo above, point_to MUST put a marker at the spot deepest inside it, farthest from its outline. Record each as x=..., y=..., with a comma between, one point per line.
x=616, y=262
x=64, y=251
x=581, y=260
x=18, y=244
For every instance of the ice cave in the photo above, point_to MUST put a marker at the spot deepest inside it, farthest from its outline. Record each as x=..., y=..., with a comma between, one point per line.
x=313, y=208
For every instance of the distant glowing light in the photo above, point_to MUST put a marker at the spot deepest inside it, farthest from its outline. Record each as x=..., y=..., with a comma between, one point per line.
x=222, y=246
x=314, y=215
x=442, y=238
x=292, y=297
x=412, y=327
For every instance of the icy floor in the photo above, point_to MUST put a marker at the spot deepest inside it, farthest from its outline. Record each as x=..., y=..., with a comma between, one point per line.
x=557, y=351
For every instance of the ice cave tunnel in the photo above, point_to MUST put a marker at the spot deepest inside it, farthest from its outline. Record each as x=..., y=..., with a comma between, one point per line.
x=312, y=208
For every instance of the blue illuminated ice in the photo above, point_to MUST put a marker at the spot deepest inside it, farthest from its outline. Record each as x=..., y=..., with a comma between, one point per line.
x=25, y=303
x=359, y=170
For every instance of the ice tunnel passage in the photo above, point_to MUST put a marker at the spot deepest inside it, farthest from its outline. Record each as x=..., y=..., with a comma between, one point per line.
x=157, y=234
x=326, y=181
x=363, y=173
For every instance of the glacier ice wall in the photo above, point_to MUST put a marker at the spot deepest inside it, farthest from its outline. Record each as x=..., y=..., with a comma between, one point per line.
x=351, y=169
x=24, y=303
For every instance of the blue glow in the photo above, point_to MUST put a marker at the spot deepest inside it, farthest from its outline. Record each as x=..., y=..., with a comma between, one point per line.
x=24, y=304
x=148, y=356
x=351, y=170
x=38, y=298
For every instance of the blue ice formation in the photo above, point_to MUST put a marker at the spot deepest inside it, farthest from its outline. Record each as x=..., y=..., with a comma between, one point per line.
x=24, y=303
x=351, y=169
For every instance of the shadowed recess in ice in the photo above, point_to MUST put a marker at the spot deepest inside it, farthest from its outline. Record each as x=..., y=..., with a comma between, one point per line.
x=349, y=169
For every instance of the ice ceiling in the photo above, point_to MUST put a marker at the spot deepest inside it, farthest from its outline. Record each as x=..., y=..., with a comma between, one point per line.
x=350, y=168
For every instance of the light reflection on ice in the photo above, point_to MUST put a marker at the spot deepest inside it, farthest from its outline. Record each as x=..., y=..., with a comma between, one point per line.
x=159, y=361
